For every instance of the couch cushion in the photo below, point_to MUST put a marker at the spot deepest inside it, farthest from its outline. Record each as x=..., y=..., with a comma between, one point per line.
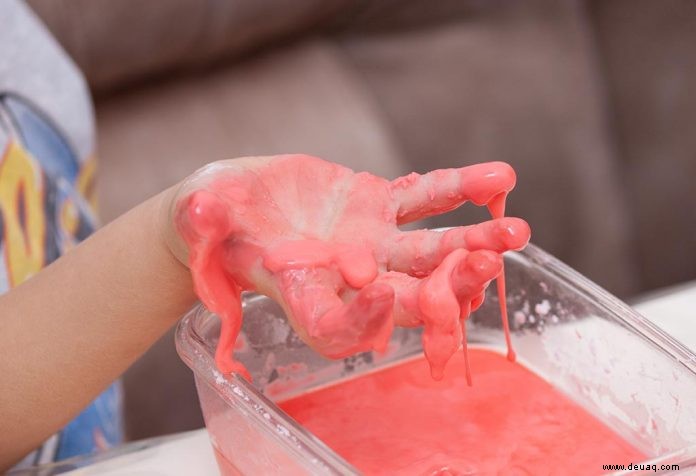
x=519, y=84
x=118, y=42
x=650, y=69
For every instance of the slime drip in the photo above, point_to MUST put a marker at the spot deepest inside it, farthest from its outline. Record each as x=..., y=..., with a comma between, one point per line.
x=497, y=210
x=324, y=242
x=512, y=422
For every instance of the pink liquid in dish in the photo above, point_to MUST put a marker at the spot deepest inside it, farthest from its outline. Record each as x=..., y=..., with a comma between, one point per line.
x=511, y=422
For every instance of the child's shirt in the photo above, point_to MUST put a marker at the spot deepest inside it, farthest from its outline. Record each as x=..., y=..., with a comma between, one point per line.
x=47, y=197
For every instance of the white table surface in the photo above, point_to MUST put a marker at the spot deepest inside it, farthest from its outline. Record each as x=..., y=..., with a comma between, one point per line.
x=186, y=454
x=674, y=310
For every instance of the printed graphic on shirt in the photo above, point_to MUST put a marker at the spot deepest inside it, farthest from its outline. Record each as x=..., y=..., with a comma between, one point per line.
x=46, y=207
x=45, y=193
x=22, y=212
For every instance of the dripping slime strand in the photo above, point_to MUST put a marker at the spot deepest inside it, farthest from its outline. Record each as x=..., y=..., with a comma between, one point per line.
x=496, y=207
x=465, y=349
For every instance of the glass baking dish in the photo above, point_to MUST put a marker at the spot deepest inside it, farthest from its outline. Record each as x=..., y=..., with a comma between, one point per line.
x=589, y=345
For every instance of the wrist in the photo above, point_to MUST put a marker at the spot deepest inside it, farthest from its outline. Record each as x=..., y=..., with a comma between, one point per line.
x=165, y=211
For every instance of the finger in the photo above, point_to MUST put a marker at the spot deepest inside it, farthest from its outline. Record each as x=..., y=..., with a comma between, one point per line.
x=433, y=306
x=203, y=223
x=445, y=301
x=441, y=301
x=330, y=326
x=442, y=314
x=419, y=252
x=439, y=191
x=222, y=296
x=469, y=279
x=203, y=216
x=363, y=324
x=474, y=273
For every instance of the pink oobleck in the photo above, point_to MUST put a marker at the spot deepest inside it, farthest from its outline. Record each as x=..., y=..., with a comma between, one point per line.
x=325, y=243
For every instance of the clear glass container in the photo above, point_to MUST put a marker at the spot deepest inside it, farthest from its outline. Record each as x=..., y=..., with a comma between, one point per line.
x=589, y=345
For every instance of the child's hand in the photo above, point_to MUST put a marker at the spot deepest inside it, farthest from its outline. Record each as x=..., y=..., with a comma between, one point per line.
x=324, y=242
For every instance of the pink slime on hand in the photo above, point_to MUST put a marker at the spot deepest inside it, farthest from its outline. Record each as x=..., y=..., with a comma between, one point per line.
x=324, y=242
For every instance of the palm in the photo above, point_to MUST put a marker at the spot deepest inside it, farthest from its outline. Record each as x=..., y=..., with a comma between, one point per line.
x=324, y=242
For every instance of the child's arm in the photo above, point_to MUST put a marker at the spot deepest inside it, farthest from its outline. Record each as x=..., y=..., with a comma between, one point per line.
x=315, y=236
x=72, y=329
